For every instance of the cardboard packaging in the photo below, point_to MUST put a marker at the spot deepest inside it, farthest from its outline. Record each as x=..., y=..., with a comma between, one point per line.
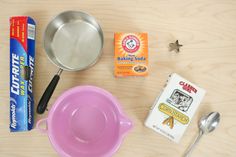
x=131, y=54
x=22, y=58
x=174, y=108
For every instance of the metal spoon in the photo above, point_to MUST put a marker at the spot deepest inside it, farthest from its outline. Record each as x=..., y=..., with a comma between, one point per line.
x=207, y=124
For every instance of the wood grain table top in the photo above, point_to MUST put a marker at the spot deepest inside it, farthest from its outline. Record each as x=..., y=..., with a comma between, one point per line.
x=206, y=28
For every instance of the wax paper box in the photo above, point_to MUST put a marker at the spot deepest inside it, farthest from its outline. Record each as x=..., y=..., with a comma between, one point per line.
x=22, y=58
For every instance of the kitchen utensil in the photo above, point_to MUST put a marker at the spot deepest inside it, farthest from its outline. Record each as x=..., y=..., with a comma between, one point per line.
x=73, y=41
x=207, y=124
x=85, y=121
x=175, y=46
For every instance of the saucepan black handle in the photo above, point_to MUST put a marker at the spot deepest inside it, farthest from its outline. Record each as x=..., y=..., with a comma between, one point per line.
x=47, y=94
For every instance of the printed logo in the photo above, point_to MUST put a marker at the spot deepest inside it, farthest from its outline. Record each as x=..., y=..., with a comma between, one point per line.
x=13, y=113
x=188, y=87
x=131, y=44
x=180, y=100
x=173, y=115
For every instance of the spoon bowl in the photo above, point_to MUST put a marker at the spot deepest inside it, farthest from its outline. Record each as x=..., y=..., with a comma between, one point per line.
x=207, y=124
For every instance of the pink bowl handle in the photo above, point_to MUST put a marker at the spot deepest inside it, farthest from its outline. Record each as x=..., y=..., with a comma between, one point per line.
x=39, y=123
x=125, y=125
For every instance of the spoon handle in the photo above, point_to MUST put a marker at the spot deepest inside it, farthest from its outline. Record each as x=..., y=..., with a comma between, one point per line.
x=190, y=148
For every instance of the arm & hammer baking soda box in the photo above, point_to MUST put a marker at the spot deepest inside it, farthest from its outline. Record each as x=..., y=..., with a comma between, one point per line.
x=174, y=108
x=131, y=54
x=22, y=53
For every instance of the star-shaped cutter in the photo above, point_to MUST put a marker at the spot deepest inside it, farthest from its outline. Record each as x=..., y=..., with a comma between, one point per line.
x=175, y=46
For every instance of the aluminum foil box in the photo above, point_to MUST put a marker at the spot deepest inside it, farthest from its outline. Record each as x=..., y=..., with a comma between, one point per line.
x=22, y=58
x=174, y=108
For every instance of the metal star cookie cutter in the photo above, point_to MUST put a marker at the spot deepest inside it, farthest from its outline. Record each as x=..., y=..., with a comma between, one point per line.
x=175, y=46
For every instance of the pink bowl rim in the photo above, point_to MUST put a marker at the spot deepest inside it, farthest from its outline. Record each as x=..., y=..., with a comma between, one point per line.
x=77, y=89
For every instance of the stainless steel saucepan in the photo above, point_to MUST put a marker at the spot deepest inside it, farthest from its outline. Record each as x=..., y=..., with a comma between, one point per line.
x=73, y=41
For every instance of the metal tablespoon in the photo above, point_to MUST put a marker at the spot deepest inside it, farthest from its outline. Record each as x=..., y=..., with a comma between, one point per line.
x=207, y=124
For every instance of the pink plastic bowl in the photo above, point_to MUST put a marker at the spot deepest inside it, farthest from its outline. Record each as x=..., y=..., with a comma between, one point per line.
x=86, y=121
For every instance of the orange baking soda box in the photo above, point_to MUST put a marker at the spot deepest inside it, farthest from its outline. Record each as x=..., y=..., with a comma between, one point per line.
x=131, y=54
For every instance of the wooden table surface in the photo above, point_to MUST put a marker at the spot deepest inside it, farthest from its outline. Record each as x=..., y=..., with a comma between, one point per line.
x=207, y=30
